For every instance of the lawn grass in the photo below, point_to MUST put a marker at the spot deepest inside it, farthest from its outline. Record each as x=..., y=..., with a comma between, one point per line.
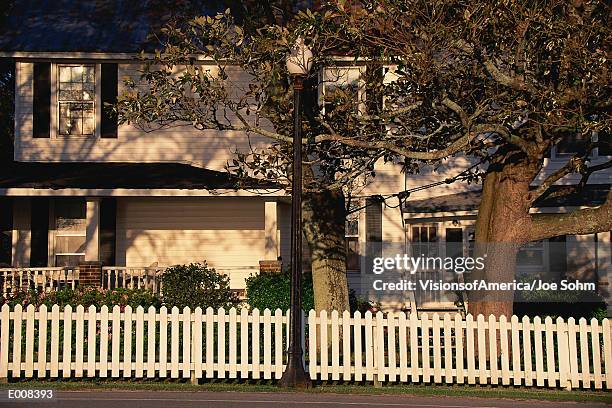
x=408, y=389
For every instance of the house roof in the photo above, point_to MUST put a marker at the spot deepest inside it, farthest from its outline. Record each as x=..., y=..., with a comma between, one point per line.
x=110, y=26
x=93, y=176
x=591, y=195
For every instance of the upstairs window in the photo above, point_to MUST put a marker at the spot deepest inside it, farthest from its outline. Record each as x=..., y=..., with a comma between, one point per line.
x=76, y=100
x=341, y=86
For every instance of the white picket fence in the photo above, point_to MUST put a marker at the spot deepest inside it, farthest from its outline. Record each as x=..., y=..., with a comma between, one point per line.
x=241, y=344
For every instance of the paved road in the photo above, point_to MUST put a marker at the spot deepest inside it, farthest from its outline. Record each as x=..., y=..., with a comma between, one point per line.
x=169, y=399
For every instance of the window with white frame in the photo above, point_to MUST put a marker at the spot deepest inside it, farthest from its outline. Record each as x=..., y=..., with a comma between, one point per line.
x=424, y=240
x=70, y=226
x=340, y=84
x=76, y=94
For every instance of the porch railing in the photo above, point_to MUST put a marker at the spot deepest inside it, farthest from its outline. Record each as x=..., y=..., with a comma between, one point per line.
x=114, y=277
x=38, y=279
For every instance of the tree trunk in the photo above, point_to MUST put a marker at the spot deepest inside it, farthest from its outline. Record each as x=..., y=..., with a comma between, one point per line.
x=324, y=217
x=501, y=229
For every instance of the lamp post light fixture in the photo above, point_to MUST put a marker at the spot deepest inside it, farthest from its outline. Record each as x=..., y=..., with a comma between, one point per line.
x=299, y=62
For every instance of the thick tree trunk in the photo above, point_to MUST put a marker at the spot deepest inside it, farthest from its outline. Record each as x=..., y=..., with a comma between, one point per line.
x=501, y=229
x=324, y=215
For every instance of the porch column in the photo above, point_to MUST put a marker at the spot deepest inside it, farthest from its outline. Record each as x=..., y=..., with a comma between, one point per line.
x=271, y=230
x=92, y=230
x=270, y=263
x=22, y=232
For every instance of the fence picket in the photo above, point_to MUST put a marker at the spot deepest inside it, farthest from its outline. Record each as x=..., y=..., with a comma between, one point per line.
x=17, y=320
x=425, y=324
x=5, y=322
x=42, y=342
x=67, y=345
x=528, y=363
x=369, y=348
x=197, y=341
x=267, y=344
x=607, y=349
x=437, y=349
x=55, y=318
x=78, y=358
x=335, y=337
x=187, y=342
x=538, y=350
x=104, y=341
x=346, y=345
x=414, y=347
x=139, y=343
x=151, y=341
x=357, y=325
x=403, y=349
x=584, y=354
x=221, y=343
x=448, y=350
x=459, y=348
x=516, y=350
x=127, y=342
x=174, y=343
x=470, y=354
x=596, y=347
x=379, y=347
x=504, y=350
x=244, y=344
x=482, y=362
x=278, y=343
x=29, y=351
x=573, y=352
x=163, y=342
x=563, y=354
x=492, y=332
x=210, y=343
x=324, y=344
x=116, y=341
x=312, y=344
x=256, y=360
x=91, y=341
x=232, y=343
x=550, y=352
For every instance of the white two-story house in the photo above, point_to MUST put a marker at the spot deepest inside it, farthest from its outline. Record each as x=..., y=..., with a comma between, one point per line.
x=84, y=189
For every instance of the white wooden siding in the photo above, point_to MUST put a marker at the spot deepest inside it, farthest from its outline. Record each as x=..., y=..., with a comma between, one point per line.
x=226, y=232
x=184, y=144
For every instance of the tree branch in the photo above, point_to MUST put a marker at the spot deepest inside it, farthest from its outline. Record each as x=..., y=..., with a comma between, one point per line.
x=572, y=166
x=579, y=222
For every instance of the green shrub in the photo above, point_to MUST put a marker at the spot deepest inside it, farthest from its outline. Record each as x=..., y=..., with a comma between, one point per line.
x=87, y=296
x=196, y=285
x=557, y=303
x=272, y=290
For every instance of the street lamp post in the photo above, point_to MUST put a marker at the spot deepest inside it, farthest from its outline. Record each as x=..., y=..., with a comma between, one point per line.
x=295, y=376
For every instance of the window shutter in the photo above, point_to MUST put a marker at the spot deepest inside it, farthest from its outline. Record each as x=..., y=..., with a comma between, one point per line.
x=109, y=96
x=373, y=220
x=108, y=227
x=373, y=227
x=39, y=247
x=42, y=99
